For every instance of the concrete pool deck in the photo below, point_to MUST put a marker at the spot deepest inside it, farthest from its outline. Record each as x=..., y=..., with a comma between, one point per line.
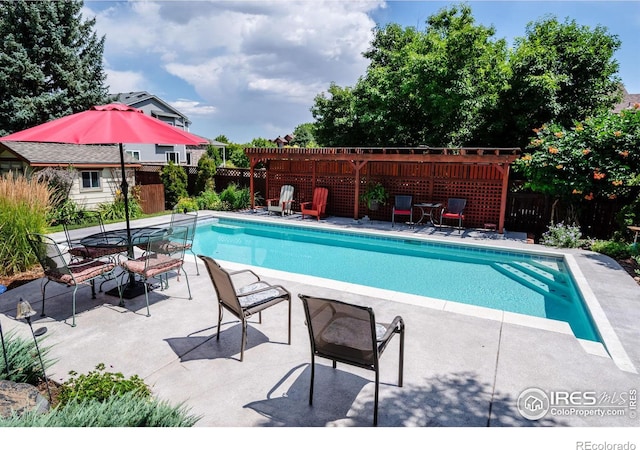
x=461, y=367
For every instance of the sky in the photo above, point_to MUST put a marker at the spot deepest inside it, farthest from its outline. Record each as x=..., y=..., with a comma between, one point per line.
x=250, y=69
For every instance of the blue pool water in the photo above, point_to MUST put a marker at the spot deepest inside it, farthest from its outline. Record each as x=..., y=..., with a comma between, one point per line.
x=534, y=285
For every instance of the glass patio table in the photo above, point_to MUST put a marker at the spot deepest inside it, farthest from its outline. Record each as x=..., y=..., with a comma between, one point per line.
x=118, y=239
x=426, y=209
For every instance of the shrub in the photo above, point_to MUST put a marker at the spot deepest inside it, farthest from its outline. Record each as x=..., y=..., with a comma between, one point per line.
x=24, y=205
x=186, y=203
x=614, y=249
x=209, y=200
x=23, y=361
x=175, y=180
x=563, y=236
x=100, y=385
x=126, y=410
x=235, y=197
x=115, y=210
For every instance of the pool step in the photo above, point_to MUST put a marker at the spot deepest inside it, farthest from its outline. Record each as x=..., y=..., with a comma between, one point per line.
x=544, y=284
x=227, y=229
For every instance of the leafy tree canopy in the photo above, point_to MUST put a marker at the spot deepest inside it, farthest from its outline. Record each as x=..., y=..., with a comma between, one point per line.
x=50, y=63
x=455, y=84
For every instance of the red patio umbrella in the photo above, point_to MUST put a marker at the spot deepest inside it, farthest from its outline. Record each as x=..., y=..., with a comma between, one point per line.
x=114, y=123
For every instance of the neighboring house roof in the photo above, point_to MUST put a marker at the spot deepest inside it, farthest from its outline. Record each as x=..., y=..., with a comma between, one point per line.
x=628, y=101
x=134, y=98
x=44, y=154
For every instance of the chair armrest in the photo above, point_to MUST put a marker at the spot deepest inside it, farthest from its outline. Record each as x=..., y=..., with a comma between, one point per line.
x=305, y=205
x=396, y=326
x=239, y=272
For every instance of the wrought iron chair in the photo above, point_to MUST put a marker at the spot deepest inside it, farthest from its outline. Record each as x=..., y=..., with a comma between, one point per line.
x=244, y=300
x=454, y=211
x=164, y=253
x=187, y=219
x=59, y=267
x=283, y=204
x=79, y=251
x=403, y=207
x=349, y=334
x=318, y=205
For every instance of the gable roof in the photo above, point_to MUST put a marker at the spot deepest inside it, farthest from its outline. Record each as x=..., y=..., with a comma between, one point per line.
x=45, y=154
x=628, y=101
x=137, y=97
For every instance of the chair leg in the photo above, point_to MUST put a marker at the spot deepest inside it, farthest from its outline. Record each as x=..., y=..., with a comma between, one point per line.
x=289, y=333
x=146, y=296
x=401, y=358
x=73, y=306
x=93, y=289
x=43, y=288
x=375, y=400
x=313, y=375
x=244, y=338
x=219, y=320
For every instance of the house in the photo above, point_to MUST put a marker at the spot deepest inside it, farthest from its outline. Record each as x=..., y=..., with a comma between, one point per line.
x=161, y=110
x=97, y=167
x=283, y=141
x=628, y=101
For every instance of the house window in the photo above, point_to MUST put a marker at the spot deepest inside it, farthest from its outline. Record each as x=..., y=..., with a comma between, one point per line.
x=173, y=157
x=90, y=180
x=188, y=158
x=135, y=154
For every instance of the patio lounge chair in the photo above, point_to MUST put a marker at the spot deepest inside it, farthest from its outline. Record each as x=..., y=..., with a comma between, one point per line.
x=454, y=211
x=164, y=254
x=58, y=267
x=281, y=205
x=318, y=205
x=403, y=207
x=349, y=334
x=244, y=300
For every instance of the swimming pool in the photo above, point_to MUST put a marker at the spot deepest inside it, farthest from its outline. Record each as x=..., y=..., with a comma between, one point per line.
x=526, y=283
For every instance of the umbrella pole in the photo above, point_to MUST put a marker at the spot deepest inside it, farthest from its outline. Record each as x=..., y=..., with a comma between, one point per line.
x=132, y=289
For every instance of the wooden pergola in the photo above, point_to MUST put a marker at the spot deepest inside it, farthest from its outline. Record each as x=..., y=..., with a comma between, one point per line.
x=432, y=173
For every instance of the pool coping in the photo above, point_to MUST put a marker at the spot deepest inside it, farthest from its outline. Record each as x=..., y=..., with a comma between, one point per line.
x=610, y=346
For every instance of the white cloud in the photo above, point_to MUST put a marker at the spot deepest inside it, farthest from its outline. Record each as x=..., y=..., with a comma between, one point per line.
x=259, y=62
x=125, y=81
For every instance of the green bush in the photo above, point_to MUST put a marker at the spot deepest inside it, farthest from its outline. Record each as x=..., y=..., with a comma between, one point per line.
x=100, y=385
x=236, y=197
x=562, y=236
x=115, y=211
x=23, y=361
x=614, y=249
x=126, y=410
x=209, y=200
x=187, y=203
x=175, y=180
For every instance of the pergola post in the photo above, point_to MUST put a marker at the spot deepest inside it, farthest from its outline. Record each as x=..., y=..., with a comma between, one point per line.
x=357, y=165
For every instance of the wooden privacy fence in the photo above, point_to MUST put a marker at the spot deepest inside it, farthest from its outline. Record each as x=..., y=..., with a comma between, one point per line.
x=429, y=174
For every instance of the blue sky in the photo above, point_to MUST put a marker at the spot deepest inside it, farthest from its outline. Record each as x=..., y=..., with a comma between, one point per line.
x=250, y=69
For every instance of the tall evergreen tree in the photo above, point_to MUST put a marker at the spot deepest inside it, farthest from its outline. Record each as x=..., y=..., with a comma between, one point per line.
x=50, y=63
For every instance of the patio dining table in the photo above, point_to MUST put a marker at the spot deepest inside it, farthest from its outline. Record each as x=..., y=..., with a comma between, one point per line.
x=118, y=239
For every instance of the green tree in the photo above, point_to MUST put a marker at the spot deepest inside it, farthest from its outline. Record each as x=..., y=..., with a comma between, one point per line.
x=174, y=179
x=50, y=63
x=224, y=151
x=303, y=136
x=455, y=84
x=206, y=172
x=434, y=87
x=598, y=158
x=236, y=155
x=561, y=72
